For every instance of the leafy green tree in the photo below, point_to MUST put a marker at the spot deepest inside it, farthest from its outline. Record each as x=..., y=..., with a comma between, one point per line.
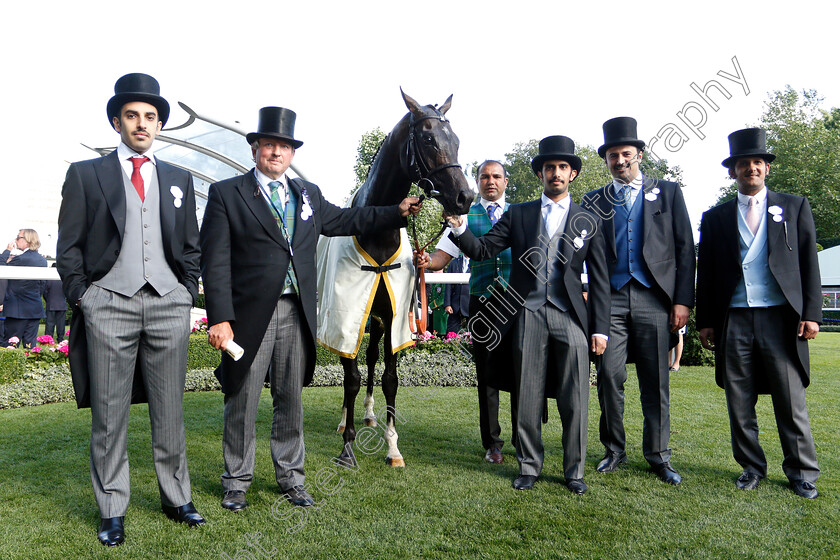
x=524, y=184
x=806, y=141
x=368, y=147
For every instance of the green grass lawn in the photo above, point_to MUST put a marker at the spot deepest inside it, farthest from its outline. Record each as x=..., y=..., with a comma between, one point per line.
x=447, y=502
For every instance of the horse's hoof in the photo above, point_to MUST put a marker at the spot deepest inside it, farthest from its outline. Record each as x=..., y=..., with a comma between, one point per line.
x=395, y=461
x=371, y=422
x=346, y=460
x=340, y=429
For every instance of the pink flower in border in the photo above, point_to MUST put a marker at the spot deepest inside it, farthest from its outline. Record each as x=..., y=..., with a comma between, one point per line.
x=63, y=349
x=46, y=339
x=67, y=332
x=451, y=335
x=14, y=340
x=36, y=350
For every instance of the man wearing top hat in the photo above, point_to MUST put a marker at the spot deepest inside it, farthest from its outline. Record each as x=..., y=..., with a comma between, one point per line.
x=650, y=257
x=258, y=242
x=759, y=302
x=550, y=240
x=128, y=258
x=488, y=280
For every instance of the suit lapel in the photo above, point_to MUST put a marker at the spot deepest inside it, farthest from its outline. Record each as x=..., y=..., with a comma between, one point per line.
x=775, y=230
x=729, y=226
x=532, y=225
x=167, y=206
x=566, y=247
x=110, y=176
x=251, y=194
x=606, y=208
x=650, y=208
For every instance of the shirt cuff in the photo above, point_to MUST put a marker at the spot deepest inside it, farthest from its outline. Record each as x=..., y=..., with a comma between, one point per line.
x=599, y=335
x=460, y=229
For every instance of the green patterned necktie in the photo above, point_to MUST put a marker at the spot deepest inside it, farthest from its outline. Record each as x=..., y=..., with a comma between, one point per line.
x=284, y=213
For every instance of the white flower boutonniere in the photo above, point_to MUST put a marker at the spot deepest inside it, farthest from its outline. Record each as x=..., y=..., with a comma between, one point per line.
x=653, y=194
x=177, y=195
x=306, y=207
x=776, y=212
x=578, y=241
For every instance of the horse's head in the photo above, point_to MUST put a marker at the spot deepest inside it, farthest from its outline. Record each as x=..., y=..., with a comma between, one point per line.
x=431, y=156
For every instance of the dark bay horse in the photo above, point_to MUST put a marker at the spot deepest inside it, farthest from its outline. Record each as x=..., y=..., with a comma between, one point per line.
x=420, y=149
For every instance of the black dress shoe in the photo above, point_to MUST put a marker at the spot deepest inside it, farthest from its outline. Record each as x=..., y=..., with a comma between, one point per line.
x=747, y=481
x=804, y=488
x=299, y=496
x=611, y=461
x=184, y=514
x=234, y=500
x=666, y=473
x=111, y=531
x=524, y=482
x=576, y=485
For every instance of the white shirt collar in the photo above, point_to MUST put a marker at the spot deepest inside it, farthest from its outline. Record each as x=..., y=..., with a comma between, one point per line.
x=564, y=202
x=635, y=184
x=264, y=179
x=124, y=153
x=485, y=203
x=760, y=197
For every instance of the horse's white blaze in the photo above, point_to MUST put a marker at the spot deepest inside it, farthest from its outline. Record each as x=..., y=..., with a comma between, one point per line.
x=370, y=416
x=343, y=422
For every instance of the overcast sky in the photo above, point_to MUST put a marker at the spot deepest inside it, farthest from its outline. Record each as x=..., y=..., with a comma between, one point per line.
x=518, y=70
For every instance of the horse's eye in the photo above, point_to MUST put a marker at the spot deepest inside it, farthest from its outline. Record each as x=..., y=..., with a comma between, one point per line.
x=428, y=140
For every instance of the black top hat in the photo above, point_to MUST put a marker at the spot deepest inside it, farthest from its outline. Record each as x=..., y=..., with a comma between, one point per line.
x=137, y=87
x=556, y=147
x=620, y=131
x=276, y=122
x=748, y=142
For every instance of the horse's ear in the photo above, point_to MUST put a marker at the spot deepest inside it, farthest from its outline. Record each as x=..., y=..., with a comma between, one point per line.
x=412, y=105
x=446, y=104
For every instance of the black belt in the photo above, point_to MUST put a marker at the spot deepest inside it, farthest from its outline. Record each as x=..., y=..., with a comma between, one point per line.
x=380, y=269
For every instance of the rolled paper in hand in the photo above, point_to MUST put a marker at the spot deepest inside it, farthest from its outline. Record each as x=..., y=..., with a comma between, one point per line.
x=234, y=350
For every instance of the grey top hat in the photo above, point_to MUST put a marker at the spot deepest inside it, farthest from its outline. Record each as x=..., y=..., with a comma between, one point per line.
x=620, y=131
x=553, y=148
x=137, y=87
x=748, y=142
x=276, y=122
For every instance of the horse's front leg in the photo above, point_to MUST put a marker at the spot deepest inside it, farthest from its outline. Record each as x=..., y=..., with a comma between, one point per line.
x=352, y=381
x=389, y=387
x=377, y=329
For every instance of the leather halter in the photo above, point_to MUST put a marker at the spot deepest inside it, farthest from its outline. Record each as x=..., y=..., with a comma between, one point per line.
x=418, y=170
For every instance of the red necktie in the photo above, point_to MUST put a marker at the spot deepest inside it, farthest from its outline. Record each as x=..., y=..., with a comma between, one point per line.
x=136, y=178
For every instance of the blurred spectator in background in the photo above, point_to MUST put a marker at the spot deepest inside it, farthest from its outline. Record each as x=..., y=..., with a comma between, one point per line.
x=23, y=307
x=56, y=310
x=456, y=297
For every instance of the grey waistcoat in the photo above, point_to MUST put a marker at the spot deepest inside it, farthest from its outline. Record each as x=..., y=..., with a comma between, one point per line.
x=544, y=263
x=141, y=257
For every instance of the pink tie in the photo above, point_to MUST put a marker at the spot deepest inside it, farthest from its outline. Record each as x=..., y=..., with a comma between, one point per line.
x=136, y=178
x=753, y=216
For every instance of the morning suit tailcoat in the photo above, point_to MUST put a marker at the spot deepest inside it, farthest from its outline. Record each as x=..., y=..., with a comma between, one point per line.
x=668, y=244
x=92, y=225
x=245, y=259
x=640, y=326
x=554, y=323
x=792, y=259
x=519, y=228
x=23, y=297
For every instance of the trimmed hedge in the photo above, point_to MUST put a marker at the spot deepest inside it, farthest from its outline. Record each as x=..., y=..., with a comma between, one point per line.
x=693, y=352
x=12, y=365
x=201, y=355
